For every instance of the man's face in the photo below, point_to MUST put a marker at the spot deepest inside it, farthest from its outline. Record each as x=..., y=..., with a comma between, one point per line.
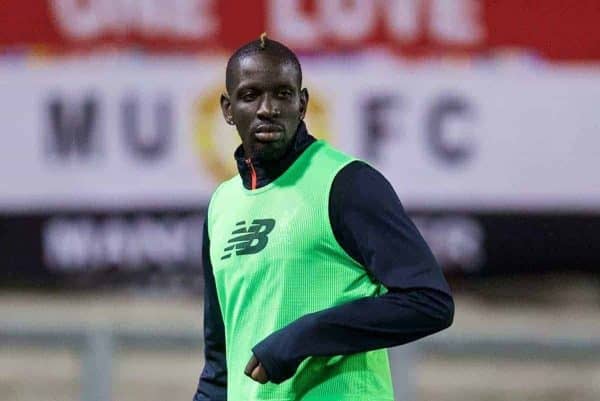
x=266, y=104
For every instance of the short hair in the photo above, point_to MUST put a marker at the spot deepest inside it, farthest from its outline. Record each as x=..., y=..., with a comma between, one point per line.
x=266, y=46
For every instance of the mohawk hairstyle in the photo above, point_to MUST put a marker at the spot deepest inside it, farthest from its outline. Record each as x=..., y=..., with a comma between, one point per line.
x=267, y=46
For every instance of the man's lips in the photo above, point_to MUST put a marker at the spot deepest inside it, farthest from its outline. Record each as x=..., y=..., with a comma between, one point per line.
x=270, y=136
x=268, y=133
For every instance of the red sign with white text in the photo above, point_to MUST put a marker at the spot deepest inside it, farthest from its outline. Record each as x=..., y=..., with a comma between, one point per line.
x=551, y=29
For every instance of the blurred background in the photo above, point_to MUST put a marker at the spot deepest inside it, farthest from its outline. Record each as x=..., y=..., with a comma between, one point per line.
x=484, y=115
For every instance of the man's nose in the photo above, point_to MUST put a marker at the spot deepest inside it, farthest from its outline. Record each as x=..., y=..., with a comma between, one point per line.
x=267, y=108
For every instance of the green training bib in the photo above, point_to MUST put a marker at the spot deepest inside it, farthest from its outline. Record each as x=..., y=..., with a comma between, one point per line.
x=275, y=259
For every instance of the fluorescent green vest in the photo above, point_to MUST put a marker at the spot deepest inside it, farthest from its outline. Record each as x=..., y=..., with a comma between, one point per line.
x=275, y=259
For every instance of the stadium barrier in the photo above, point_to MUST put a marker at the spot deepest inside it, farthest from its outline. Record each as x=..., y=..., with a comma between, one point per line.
x=97, y=345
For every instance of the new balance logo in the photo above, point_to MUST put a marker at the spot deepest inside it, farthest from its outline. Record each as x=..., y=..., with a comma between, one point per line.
x=249, y=240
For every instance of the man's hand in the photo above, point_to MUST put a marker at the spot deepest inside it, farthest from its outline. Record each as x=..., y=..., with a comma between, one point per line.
x=255, y=371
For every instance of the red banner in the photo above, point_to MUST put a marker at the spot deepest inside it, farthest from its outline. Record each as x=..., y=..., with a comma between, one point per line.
x=552, y=29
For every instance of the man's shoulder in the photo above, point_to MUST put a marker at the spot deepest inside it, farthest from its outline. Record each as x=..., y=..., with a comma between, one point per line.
x=353, y=170
x=234, y=179
x=355, y=165
x=333, y=152
x=225, y=186
x=327, y=160
x=361, y=180
x=360, y=169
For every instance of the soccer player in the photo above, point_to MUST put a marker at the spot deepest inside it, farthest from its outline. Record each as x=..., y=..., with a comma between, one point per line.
x=312, y=266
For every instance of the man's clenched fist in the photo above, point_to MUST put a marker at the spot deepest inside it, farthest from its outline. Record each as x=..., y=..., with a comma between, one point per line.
x=255, y=371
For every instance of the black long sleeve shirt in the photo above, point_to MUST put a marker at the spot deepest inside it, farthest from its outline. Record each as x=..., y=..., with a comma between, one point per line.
x=370, y=224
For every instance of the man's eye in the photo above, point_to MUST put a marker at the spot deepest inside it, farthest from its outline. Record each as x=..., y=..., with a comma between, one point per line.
x=284, y=94
x=248, y=97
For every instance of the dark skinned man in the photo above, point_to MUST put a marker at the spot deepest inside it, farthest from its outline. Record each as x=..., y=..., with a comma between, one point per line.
x=312, y=267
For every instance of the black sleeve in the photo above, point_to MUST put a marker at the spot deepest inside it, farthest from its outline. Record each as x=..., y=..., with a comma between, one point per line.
x=371, y=225
x=212, y=385
x=369, y=222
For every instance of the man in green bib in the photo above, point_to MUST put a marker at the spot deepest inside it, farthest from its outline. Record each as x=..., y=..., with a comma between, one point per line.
x=312, y=267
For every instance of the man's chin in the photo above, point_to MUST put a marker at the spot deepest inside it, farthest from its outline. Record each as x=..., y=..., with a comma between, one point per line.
x=269, y=150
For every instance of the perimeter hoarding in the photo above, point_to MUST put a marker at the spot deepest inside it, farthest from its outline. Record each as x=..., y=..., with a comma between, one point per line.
x=122, y=135
x=107, y=164
x=161, y=248
x=410, y=28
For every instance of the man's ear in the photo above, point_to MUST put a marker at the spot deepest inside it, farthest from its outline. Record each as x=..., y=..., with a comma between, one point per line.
x=226, y=108
x=303, y=102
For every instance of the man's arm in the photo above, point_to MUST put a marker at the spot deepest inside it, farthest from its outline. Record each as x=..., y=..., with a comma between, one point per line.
x=212, y=385
x=371, y=225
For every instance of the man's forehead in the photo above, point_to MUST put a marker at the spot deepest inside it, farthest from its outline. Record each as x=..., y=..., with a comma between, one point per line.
x=264, y=69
